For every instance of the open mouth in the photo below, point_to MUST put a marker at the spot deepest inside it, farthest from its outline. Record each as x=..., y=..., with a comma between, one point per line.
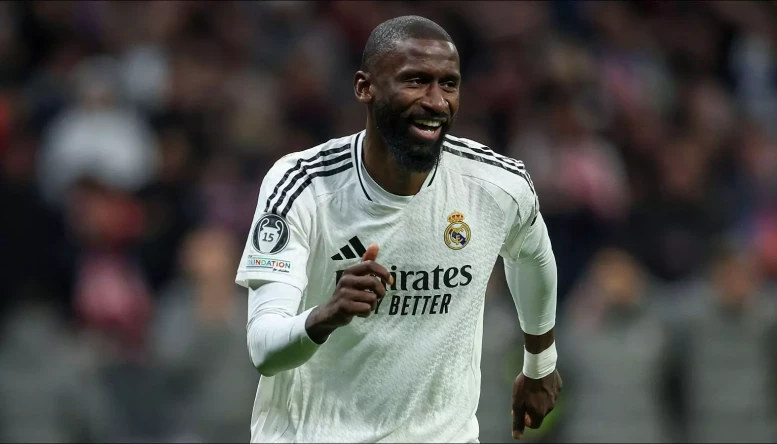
x=427, y=129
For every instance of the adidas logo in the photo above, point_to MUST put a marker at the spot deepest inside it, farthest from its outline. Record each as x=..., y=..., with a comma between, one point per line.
x=347, y=253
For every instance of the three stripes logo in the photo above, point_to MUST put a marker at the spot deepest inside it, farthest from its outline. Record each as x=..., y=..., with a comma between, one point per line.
x=347, y=252
x=297, y=178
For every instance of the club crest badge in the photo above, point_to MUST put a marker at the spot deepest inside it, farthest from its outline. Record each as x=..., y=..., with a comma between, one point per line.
x=457, y=234
x=271, y=234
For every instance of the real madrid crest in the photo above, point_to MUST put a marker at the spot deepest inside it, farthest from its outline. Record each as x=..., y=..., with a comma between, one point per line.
x=457, y=234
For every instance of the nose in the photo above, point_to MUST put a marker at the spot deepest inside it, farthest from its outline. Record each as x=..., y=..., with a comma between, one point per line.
x=434, y=100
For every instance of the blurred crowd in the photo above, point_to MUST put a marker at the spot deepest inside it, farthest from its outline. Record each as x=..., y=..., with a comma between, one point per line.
x=134, y=137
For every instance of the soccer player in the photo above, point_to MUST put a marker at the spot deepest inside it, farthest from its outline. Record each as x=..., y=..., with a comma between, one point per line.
x=368, y=260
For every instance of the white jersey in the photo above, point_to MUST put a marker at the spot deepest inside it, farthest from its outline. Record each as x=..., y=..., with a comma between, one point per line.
x=411, y=371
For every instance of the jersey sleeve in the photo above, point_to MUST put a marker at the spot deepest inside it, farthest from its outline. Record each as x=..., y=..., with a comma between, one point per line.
x=278, y=247
x=521, y=215
x=529, y=264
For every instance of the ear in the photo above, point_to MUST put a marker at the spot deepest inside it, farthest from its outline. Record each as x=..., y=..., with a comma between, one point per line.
x=362, y=87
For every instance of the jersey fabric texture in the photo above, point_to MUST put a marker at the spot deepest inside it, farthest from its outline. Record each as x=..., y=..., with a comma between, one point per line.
x=411, y=371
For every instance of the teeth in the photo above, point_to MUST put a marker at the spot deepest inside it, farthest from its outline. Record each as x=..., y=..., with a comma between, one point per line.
x=432, y=123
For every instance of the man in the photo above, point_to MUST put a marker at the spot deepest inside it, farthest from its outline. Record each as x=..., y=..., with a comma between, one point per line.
x=382, y=343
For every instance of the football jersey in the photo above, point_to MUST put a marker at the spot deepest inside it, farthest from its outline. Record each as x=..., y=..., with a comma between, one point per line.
x=411, y=370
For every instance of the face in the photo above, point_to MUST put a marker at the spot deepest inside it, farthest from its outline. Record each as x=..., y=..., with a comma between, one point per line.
x=414, y=96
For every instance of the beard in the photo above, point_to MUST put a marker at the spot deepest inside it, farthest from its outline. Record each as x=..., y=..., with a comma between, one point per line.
x=410, y=153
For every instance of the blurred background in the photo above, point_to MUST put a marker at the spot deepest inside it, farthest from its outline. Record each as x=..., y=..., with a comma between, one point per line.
x=134, y=137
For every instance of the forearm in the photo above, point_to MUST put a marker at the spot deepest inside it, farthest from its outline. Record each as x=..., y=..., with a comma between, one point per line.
x=319, y=325
x=532, y=280
x=277, y=338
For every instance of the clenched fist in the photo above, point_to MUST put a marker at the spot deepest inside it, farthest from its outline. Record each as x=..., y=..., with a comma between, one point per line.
x=358, y=292
x=533, y=400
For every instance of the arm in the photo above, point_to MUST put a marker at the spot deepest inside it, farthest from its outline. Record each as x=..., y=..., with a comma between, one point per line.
x=532, y=281
x=277, y=338
x=530, y=270
x=273, y=268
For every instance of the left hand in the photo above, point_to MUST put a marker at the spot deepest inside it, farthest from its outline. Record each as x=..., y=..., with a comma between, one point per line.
x=533, y=399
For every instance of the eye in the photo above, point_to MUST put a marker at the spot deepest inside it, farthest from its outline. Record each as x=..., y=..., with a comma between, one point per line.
x=413, y=81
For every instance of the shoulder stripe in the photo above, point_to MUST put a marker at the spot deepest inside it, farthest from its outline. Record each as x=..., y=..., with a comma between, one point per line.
x=479, y=158
x=305, y=171
x=309, y=180
x=506, y=162
x=486, y=151
x=522, y=172
x=483, y=159
x=298, y=166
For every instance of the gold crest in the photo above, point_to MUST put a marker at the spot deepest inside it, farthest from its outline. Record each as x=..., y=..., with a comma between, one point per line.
x=457, y=234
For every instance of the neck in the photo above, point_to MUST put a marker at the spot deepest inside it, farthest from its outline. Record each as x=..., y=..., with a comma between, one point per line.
x=384, y=170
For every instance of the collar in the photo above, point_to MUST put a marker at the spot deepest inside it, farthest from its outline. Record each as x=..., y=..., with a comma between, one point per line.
x=374, y=192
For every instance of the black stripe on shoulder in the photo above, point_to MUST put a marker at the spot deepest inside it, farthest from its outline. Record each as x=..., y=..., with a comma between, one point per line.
x=299, y=165
x=490, y=161
x=309, y=180
x=305, y=171
x=483, y=159
x=491, y=153
x=486, y=151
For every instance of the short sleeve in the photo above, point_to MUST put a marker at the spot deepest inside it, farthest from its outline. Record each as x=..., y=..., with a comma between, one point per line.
x=521, y=217
x=277, y=248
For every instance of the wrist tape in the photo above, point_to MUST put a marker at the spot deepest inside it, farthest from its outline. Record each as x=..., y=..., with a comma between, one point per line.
x=540, y=365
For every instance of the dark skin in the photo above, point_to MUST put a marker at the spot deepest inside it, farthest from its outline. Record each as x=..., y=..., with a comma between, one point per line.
x=534, y=399
x=418, y=79
x=421, y=77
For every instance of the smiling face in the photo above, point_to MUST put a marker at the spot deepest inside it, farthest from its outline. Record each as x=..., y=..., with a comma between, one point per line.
x=414, y=97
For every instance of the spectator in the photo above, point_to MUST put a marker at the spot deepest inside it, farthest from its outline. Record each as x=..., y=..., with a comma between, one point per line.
x=617, y=355
x=730, y=366
x=97, y=137
x=200, y=344
x=51, y=383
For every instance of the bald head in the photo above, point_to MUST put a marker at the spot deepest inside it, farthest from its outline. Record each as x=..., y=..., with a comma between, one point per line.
x=385, y=37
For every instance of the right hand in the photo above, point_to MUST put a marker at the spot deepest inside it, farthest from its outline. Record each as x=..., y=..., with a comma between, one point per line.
x=360, y=288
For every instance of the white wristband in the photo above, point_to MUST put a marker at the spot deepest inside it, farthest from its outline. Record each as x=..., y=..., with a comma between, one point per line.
x=540, y=365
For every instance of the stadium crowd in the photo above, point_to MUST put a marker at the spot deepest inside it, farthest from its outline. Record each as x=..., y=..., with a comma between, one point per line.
x=134, y=137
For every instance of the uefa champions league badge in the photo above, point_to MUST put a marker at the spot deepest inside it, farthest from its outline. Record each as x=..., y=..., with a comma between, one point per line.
x=457, y=234
x=270, y=234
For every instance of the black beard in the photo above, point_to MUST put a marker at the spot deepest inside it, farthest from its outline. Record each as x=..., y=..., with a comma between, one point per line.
x=409, y=153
